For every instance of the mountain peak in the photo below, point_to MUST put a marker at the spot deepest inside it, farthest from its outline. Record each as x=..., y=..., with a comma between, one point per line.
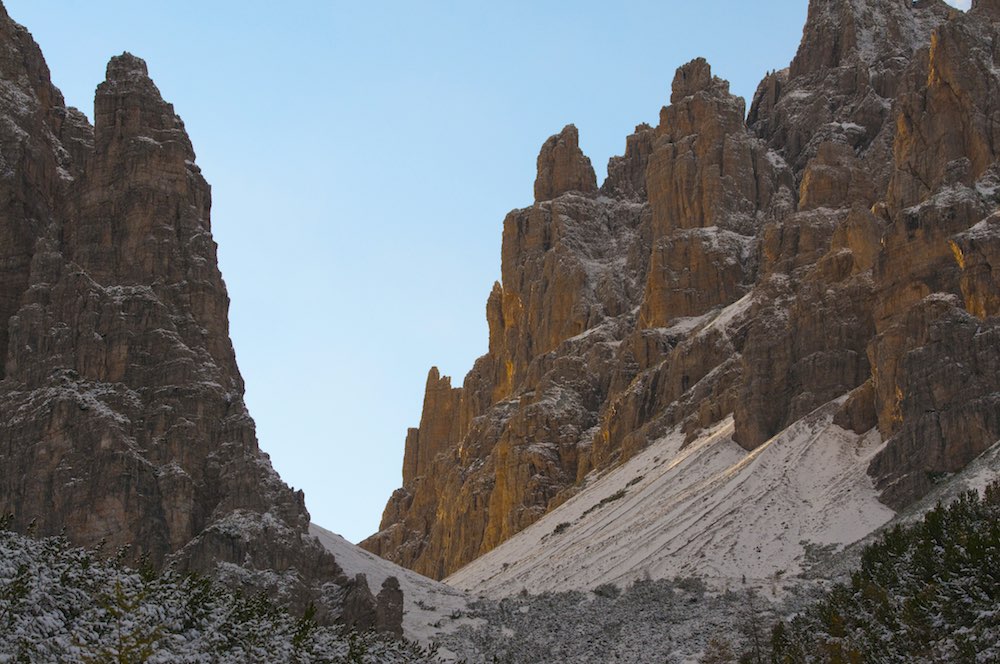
x=562, y=167
x=126, y=67
x=695, y=77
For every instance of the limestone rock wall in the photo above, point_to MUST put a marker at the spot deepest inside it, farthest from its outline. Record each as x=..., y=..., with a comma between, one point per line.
x=936, y=389
x=123, y=418
x=837, y=240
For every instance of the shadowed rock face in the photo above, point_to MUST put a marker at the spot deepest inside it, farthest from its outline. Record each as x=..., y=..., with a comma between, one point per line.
x=836, y=242
x=123, y=414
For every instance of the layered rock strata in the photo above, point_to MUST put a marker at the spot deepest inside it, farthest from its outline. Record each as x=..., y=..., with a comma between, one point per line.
x=123, y=414
x=839, y=239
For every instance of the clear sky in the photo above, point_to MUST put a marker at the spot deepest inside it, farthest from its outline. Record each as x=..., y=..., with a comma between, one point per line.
x=362, y=157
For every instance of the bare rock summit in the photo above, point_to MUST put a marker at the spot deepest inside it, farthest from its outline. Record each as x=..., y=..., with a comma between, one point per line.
x=562, y=167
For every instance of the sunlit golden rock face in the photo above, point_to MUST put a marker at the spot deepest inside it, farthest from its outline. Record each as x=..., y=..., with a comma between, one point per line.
x=836, y=242
x=562, y=167
x=710, y=183
x=935, y=354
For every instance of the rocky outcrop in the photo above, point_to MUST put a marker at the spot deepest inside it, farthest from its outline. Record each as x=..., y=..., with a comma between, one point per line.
x=124, y=420
x=389, y=608
x=707, y=178
x=835, y=244
x=360, y=605
x=977, y=251
x=627, y=174
x=562, y=167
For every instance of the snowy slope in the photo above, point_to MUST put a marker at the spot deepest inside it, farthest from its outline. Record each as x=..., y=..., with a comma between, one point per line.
x=429, y=607
x=709, y=509
x=981, y=472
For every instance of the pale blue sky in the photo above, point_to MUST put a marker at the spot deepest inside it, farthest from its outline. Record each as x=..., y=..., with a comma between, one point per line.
x=363, y=156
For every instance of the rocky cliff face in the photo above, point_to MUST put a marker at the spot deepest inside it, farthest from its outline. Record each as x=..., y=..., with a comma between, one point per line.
x=123, y=414
x=836, y=242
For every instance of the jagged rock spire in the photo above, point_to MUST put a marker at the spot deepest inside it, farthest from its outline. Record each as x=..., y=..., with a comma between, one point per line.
x=562, y=167
x=692, y=78
x=128, y=104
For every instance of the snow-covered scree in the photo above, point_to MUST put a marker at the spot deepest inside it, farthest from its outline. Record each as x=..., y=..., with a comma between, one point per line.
x=429, y=607
x=708, y=509
x=654, y=559
x=976, y=476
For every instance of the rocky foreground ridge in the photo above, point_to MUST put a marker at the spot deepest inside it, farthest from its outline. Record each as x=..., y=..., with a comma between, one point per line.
x=847, y=228
x=123, y=418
